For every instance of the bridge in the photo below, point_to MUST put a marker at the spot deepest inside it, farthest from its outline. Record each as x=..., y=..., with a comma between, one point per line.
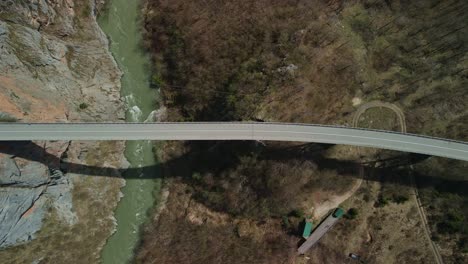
x=236, y=131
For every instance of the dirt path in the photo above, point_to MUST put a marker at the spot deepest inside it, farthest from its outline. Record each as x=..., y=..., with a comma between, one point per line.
x=335, y=201
x=401, y=117
x=427, y=231
x=363, y=108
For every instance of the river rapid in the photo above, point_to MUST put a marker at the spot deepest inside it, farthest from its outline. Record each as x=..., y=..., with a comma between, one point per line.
x=121, y=24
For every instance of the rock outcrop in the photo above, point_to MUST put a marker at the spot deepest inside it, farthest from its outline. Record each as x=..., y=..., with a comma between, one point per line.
x=55, y=66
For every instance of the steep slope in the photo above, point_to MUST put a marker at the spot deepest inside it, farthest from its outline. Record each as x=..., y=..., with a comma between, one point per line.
x=55, y=66
x=313, y=62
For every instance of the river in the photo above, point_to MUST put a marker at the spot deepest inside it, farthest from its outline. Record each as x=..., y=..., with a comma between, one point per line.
x=120, y=23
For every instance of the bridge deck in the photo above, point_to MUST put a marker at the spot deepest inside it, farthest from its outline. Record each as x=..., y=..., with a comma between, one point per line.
x=236, y=131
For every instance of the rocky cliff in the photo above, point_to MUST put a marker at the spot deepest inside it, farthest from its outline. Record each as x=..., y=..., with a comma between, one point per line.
x=54, y=67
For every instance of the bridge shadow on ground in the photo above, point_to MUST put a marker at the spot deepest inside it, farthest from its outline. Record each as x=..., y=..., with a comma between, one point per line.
x=31, y=151
x=393, y=170
x=207, y=152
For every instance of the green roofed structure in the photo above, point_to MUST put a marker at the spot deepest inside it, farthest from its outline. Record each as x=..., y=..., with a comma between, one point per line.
x=320, y=231
x=307, y=229
x=338, y=213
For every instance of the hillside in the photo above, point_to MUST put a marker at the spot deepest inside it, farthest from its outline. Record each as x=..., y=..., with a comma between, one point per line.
x=312, y=62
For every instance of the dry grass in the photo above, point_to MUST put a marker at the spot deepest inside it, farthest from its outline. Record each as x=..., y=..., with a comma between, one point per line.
x=180, y=237
x=389, y=234
x=379, y=118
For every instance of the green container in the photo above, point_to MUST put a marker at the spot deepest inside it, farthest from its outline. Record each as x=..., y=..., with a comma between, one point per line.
x=338, y=213
x=307, y=229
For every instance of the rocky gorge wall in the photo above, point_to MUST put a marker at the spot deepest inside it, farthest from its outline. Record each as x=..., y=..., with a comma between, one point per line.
x=55, y=66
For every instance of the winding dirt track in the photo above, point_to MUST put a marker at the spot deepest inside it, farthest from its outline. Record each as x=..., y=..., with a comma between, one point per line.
x=363, y=108
x=402, y=121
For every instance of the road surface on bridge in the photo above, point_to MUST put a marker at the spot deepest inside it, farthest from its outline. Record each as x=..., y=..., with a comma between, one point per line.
x=236, y=131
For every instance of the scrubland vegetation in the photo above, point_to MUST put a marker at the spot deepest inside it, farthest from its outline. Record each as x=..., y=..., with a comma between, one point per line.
x=445, y=199
x=261, y=185
x=184, y=233
x=304, y=61
x=235, y=63
x=248, y=60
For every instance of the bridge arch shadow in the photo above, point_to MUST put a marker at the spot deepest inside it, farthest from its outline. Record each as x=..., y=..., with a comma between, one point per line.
x=400, y=164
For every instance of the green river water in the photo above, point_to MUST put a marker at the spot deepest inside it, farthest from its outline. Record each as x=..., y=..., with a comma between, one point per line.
x=120, y=23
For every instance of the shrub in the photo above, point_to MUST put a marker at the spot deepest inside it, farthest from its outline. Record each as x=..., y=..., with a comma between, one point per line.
x=352, y=213
x=86, y=11
x=455, y=216
x=156, y=80
x=366, y=197
x=83, y=106
x=5, y=117
x=299, y=213
x=399, y=199
x=381, y=201
x=463, y=244
x=285, y=222
x=196, y=176
x=448, y=227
